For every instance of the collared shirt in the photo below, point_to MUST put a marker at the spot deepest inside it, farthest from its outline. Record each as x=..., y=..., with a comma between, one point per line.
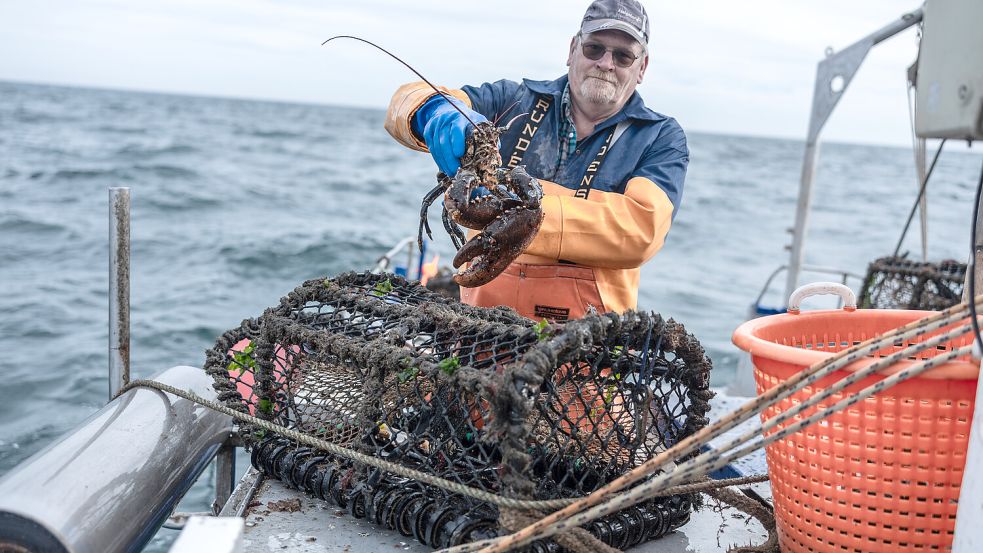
x=568, y=129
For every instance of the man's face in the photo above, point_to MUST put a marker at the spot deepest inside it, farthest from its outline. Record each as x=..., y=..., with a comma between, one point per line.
x=603, y=82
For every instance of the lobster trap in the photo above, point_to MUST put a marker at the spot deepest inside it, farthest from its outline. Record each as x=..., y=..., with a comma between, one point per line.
x=894, y=282
x=494, y=405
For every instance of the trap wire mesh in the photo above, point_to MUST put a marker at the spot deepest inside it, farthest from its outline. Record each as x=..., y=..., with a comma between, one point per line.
x=895, y=282
x=479, y=397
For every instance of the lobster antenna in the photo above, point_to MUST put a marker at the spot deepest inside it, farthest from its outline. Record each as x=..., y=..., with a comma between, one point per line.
x=504, y=113
x=408, y=66
x=514, y=119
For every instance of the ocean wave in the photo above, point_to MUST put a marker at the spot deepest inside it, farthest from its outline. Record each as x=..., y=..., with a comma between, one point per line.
x=133, y=151
x=181, y=333
x=162, y=171
x=114, y=129
x=25, y=443
x=181, y=201
x=45, y=319
x=20, y=223
x=275, y=134
x=34, y=117
x=324, y=139
x=333, y=253
x=83, y=174
x=168, y=171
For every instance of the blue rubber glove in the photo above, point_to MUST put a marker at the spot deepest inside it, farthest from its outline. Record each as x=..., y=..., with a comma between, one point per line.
x=444, y=130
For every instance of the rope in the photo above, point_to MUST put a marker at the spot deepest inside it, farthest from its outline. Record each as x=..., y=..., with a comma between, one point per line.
x=751, y=507
x=575, y=514
x=399, y=470
x=921, y=192
x=701, y=486
x=705, y=463
x=352, y=455
x=577, y=541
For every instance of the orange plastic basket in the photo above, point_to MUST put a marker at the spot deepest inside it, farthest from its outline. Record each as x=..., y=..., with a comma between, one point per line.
x=883, y=475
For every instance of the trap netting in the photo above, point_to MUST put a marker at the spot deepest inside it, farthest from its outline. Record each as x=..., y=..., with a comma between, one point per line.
x=478, y=397
x=895, y=282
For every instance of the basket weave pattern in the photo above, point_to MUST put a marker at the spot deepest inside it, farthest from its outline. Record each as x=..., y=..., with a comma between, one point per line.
x=882, y=475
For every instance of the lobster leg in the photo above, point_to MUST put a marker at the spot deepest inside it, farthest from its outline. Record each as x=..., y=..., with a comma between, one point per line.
x=424, y=223
x=457, y=235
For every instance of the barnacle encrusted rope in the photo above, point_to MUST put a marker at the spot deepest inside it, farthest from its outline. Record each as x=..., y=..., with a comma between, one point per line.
x=429, y=392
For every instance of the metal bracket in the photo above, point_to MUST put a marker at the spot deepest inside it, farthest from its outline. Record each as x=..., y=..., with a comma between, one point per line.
x=833, y=75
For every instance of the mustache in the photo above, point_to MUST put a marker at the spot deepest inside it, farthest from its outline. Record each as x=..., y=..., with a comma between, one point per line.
x=602, y=76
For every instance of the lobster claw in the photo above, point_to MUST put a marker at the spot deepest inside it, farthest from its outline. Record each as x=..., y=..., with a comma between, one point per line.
x=506, y=237
x=473, y=205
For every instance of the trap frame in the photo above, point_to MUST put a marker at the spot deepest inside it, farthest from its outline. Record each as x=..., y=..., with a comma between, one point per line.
x=895, y=282
x=482, y=398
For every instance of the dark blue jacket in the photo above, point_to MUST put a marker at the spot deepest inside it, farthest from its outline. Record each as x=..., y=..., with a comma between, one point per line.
x=653, y=147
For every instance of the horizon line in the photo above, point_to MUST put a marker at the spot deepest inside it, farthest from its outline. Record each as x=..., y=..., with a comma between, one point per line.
x=202, y=95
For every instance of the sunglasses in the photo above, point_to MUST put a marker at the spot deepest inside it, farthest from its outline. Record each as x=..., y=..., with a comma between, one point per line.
x=622, y=57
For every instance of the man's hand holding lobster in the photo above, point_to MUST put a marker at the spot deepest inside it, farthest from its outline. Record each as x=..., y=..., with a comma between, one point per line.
x=504, y=205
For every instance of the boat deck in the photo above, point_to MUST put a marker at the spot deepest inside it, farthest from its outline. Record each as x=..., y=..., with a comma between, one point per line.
x=282, y=519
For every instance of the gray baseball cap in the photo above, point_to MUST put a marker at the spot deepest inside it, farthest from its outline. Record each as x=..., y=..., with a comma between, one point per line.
x=623, y=15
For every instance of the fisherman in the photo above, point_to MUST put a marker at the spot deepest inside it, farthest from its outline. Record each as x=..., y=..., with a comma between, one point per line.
x=611, y=169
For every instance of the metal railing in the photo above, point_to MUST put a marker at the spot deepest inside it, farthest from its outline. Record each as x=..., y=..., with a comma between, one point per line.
x=842, y=273
x=415, y=257
x=119, y=341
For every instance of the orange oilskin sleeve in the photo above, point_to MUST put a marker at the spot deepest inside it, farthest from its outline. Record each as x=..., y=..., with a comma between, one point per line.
x=609, y=235
x=404, y=104
x=606, y=230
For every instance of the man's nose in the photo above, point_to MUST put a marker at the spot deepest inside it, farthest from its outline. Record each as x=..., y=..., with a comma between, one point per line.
x=606, y=63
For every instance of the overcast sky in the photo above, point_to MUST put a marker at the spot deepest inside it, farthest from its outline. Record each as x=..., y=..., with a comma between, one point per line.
x=717, y=65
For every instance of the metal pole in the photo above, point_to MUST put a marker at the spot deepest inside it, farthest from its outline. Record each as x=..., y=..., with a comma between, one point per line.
x=410, y=250
x=977, y=256
x=225, y=469
x=921, y=170
x=803, y=208
x=977, y=259
x=119, y=289
x=969, y=533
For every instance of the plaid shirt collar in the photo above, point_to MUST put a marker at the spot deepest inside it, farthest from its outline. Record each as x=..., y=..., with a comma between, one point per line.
x=568, y=131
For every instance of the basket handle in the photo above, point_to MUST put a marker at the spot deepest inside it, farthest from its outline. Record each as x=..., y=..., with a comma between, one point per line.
x=816, y=288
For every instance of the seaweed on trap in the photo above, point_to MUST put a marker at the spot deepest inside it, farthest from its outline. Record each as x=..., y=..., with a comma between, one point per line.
x=480, y=397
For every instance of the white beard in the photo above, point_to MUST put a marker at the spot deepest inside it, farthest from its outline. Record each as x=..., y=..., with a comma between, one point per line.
x=597, y=91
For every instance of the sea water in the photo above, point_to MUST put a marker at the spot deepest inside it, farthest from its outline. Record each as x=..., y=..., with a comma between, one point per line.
x=236, y=202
